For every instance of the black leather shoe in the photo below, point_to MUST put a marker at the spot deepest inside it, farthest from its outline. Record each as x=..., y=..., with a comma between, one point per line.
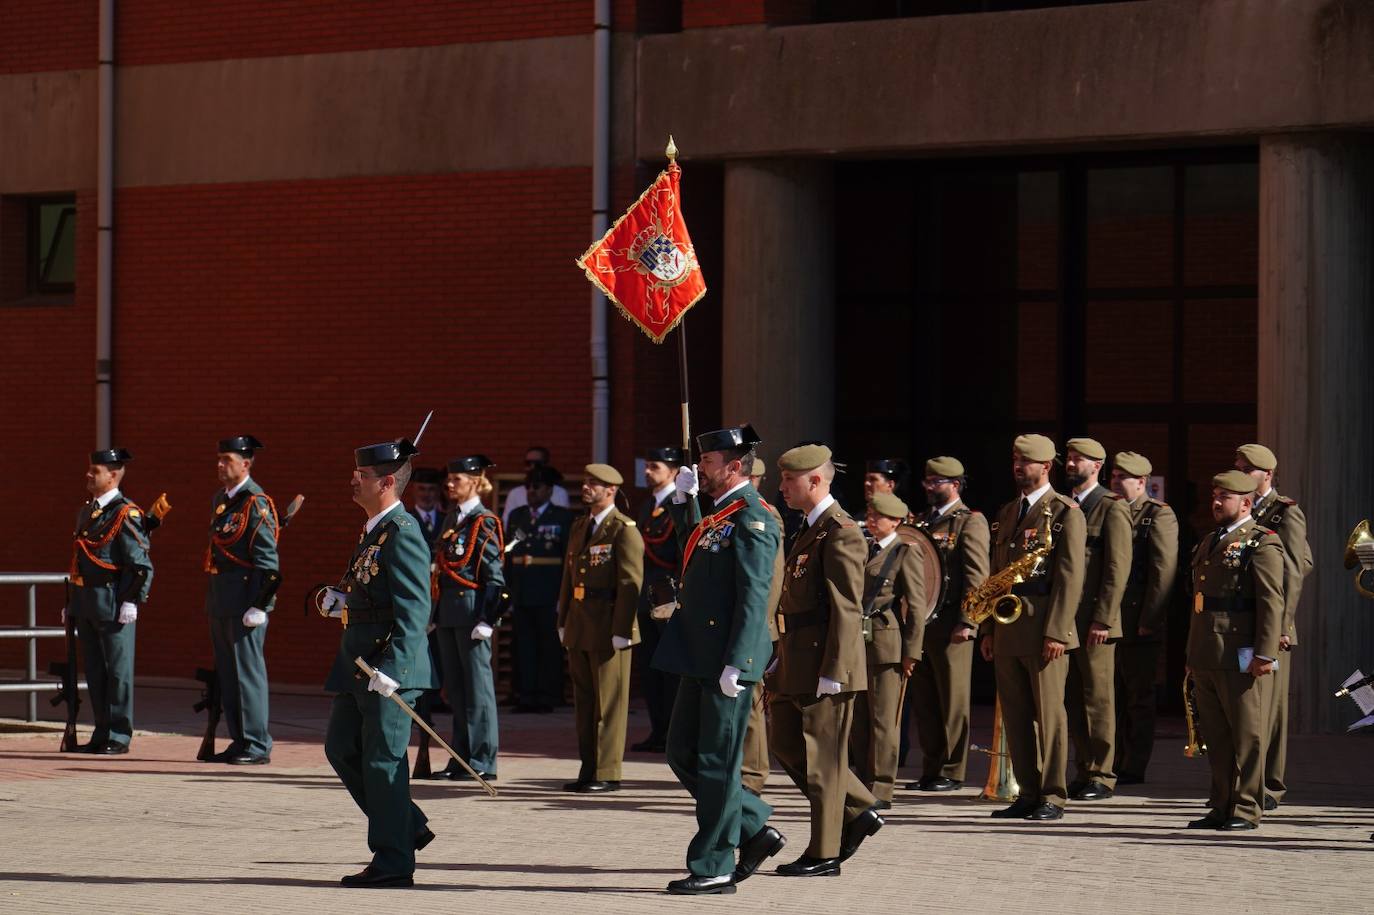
x=374, y=879
x=758, y=848
x=1021, y=807
x=1211, y=821
x=918, y=785
x=248, y=759
x=597, y=787
x=461, y=775
x=1236, y=824
x=110, y=748
x=1270, y=803
x=1092, y=791
x=1077, y=785
x=807, y=866
x=1045, y=811
x=940, y=783
x=650, y=744
x=423, y=838
x=1128, y=778
x=702, y=886
x=858, y=829
x=575, y=787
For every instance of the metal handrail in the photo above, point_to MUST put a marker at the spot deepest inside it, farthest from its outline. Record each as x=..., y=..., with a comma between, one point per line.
x=32, y=685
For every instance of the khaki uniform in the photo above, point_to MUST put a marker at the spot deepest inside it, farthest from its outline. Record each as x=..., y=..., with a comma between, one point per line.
x=1032, y=689
x=1238, y=602
x=940, y=685
x=1090, y=693
x=1149, y=590
x=894, y=593
x=820, y=626
x=1283, y=516
x=754, y=774
x=602, y=575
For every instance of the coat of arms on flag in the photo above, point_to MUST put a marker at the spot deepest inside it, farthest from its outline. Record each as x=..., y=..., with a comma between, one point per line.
x=645, y=263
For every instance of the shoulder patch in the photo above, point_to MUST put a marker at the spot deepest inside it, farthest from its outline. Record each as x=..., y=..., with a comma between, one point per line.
x=756, y=526
x=1287, y=501
x=135, y=514
x=401, y=519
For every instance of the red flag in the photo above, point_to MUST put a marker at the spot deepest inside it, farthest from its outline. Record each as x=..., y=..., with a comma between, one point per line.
x=645, y=263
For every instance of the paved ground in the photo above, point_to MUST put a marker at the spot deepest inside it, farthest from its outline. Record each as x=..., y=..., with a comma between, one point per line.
x=158, y=832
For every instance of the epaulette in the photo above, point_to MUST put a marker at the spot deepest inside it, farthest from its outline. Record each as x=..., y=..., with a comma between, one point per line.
x=1266, y=530
x=1285, y=500
x=1112, y=495
x=629, y=522
x=1153, y=501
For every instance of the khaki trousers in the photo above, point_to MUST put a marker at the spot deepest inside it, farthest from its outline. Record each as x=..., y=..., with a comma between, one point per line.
x=601, y=704
x=874, y=738
x=1276, y=756
x=1136, y=663
x=940, y=687
x=1032, y=694
x=754, y=771
x=1090, y=699
x=1233, y=712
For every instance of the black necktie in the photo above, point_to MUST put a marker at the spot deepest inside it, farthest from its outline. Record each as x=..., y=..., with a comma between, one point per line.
x=1025, y=507
x=874, y=549
x=1220, y=535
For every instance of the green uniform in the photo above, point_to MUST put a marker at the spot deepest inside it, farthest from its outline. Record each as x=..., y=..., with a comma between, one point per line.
x=602, y=574
x=1237, y=603
x=820, y=624
x=754, y=774
x=940, y=685
x=1090, y=691
x=240, y=560
x=894, y=597
x=534, y=574
x=1283, y=516
x=722, y=621
x=1145, y=605
x=1031, y=688
x=110, y=566
x=368, y=735
x=662, y=564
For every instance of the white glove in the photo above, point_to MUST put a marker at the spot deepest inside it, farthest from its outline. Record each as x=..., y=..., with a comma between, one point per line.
x=128, y=613
x=1366, y=553
x=729, y=682
x=561, y=630
x=430, y=628
x=685, y=483
x=828, y=687
x=619, y=644
x=253, y=617
x=381, y=684
x=63, y=618
x=481, y=632
x=334, y=602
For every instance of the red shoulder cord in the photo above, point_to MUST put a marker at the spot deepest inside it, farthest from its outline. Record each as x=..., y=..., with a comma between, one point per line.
x=707, y=523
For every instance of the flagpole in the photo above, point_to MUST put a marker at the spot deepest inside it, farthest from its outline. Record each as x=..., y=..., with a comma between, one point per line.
x=671, y=153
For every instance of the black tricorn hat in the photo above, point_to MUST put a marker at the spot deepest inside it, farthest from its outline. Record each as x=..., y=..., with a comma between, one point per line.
x=240, y=444
x=385, y=453
x=891, y=467
x=726, y=439
x=473, y=463
x=111, y=456
x=666, y=455
x=431, y=475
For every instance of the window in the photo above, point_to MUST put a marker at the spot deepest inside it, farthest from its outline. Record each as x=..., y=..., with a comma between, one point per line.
x=51, y=245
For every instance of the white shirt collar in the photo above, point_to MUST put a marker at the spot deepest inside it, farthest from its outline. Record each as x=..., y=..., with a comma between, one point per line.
x=106, y=499
x=1038, y=494
x=945, y=509
x=814, y=515
x=731, y=491
x=1080, y=496
x=663, y=492
x=230, y=493
x=601, y=516
x=377, y=518
x=536, y=511
x=468, y=507
x=1239, y=522
x=882, y=544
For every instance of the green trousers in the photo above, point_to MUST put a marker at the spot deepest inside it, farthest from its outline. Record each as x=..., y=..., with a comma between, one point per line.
x=107, y=655
x=242, y=673
x=705, y=751
x=366, y=744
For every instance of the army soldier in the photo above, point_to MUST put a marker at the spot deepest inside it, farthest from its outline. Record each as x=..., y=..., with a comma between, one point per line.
x=754, y=774
x=820, y=665
x=1144, y=610
x=1281, y=515
x=893, y=627
x=602, y=575
x=469, y=579
x=384, y=605
x=539, y=538
x=1028, y=654
x=1233, y=641
x=882, y=475
x=662, y=566
x=110, y=577
x=242, y=564
x=717, y=643
x=426, y=507
x=940, y=683
x=1090, y=691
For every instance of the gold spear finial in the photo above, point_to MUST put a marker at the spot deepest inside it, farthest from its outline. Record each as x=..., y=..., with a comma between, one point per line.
x=671, y=151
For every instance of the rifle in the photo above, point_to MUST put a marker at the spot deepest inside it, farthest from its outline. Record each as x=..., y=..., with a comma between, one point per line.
x=67, y=671
x=209, y=703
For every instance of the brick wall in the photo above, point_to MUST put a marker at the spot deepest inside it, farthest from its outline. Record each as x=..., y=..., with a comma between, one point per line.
x=703, y=14
x=41, y=35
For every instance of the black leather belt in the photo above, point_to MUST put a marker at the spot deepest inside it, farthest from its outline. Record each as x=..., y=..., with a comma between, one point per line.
x=371, y=615
x=600, y=593
x=1228, y=604
x=1032, y=588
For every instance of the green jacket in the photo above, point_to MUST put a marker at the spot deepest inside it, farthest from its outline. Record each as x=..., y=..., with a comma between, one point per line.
x=388, y=603
x=110, y=563
x=242, y=551
x=723, y=617
x=467, y=564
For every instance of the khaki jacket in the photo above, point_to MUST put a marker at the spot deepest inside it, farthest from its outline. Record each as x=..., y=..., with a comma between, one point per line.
x=601, y=580
x=1107, y=560
x=1154, y=570
x=1050, y=601
x=1237, y=597
x=962, y=536
x=1283, y=516
x=898, y=630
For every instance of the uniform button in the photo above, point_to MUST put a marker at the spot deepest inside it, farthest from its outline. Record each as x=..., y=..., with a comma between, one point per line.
x=583, y=569
x=1203, y=577
x=710, y=622
x=815, y=644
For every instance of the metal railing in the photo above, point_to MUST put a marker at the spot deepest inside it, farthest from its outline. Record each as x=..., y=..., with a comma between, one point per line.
x=33, y=632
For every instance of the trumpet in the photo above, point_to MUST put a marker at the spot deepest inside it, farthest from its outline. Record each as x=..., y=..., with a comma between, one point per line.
x=1359, y=537
x=994, y=597
x=1196, y=747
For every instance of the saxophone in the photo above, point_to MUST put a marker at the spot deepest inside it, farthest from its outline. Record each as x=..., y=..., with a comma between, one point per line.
x=993, y=598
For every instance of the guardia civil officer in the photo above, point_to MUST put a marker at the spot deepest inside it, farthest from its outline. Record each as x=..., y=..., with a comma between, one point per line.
x=110, y=577
x=538, y=539
x=241, y=561
x=662, y=568
x=384, y=605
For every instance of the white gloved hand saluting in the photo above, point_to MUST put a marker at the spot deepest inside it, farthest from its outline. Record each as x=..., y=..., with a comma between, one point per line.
x=253, y=617
x=686, y=483
x=481, y=632
x=729, y=682
x=828, y=687
x=1366, y=553
x=381, y=684
x=334, y=602
x=619, y=644
x=128, y=613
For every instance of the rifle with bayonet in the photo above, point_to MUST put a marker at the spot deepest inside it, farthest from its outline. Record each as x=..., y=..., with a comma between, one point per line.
x=67, y=671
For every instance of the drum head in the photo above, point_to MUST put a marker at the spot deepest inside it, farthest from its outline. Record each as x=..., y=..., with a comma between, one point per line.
x=932, y=565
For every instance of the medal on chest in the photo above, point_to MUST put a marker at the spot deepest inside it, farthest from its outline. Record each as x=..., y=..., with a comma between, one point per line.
x=365, y=567
x=600, y=554
x=1231, y=556
x=717, y=538
x=799, y=569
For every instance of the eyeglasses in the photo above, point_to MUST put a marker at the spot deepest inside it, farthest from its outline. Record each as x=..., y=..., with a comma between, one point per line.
x=932, y=482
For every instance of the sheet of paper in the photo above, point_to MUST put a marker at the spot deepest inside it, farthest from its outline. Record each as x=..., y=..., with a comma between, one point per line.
x=1364, y=696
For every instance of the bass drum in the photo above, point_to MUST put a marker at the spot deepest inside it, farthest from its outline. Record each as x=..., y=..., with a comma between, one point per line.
x=932, y=564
